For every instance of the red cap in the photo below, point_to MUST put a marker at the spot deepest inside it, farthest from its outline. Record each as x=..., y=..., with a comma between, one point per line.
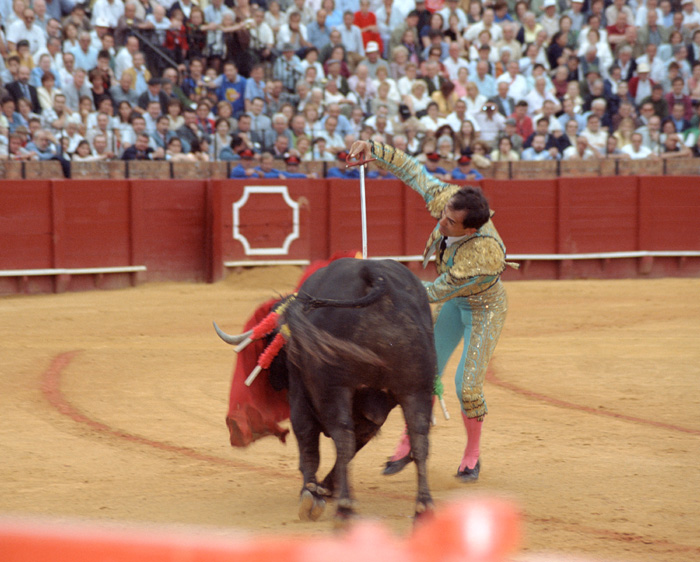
x=247, y=154
x=464, y=159
x=342, y=155
x=434, y=156
x=291, y=159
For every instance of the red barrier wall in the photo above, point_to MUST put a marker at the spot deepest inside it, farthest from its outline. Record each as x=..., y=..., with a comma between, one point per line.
x=170, y=229
x=192, y=229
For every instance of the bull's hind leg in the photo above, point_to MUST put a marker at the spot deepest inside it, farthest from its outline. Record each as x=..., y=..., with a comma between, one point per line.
x=370, y=409
x=338, y=422
x=307, y=431
x=417, y=412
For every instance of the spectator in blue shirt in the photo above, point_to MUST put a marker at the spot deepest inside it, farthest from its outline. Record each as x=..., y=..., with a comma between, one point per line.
x=432, y=164
x=341, y=171
x=266, y=169
x=41, y=144
x=255, y=87
x=317, y=32
x=245, y=168
x=537, y=151
x=292, y=161
x=464, y=170
x=232, y=88
x=381, y=174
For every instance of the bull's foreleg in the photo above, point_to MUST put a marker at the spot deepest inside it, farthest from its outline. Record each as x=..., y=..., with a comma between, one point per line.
x=307, y=431
x=417, y=412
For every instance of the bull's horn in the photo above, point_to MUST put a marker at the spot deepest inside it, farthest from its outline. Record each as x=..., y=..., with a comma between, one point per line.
x=233, y=340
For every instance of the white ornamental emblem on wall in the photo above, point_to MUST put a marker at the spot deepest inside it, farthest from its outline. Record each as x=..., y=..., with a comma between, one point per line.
x=249, y=190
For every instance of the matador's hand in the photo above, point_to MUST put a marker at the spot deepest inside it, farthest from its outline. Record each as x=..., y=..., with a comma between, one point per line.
x=360, y=151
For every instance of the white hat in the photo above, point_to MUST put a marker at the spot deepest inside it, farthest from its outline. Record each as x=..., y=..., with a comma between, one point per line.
x=549, y=4
x=101, y=22
x=643, y=67
x=372, y=47
x=683, y=2
x=577, y=1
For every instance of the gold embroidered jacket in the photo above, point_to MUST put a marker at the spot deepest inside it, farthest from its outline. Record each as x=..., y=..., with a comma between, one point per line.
x=469, y=266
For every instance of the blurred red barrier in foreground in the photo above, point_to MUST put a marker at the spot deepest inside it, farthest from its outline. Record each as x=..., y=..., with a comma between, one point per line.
x=474, y=530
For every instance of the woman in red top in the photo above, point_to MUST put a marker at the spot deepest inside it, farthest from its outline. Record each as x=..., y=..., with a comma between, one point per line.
x=367, y=22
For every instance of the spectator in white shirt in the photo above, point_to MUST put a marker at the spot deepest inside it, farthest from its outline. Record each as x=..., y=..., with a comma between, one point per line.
x=125, y=56
x=109, y=10
x=595, y=135
x=636, y=150
x=454, y=62
x=640, y=19
x=490, y=122
x=486, y=23
x=405, y=83
x=432, y=121
x=517, y=84
x=293, y=32
x=691, y=17
x=452, y=7
x=26, y=28
x=536, y=98
x=334, y=141
x=580, y=151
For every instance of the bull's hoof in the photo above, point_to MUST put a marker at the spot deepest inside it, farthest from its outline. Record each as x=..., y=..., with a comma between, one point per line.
x=311, y=507
x=394, y=467
x=344, y=516
x=425, y=511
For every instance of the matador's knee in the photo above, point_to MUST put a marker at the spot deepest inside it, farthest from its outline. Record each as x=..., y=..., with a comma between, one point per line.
x=474, y=405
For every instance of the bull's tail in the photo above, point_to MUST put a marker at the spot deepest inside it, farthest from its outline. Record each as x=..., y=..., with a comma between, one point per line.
x=306, y=341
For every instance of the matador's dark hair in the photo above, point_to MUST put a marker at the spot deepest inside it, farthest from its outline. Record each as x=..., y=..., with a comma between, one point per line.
x=472, y=200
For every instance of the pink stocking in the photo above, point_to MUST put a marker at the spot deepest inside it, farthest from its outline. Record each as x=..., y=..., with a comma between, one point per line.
x=471, y=453
x=404, y=446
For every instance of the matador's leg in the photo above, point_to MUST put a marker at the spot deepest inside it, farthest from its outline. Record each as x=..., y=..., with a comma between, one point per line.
x=448, y=333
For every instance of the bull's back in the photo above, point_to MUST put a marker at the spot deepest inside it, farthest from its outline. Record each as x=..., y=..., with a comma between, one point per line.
x=397, y=326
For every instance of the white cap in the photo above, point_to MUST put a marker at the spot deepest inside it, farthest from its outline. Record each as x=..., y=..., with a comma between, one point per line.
x=101, y=22
x=372, y=47
x=644, y=67
x=683, y=2
x=549, y=4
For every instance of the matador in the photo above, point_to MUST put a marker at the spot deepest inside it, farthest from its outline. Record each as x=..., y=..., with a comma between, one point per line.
x=470, y=298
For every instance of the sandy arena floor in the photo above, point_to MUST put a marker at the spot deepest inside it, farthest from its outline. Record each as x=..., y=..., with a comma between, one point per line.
x=114, y=406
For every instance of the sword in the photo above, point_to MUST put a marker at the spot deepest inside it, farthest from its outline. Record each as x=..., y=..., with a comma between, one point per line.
x=363, y=200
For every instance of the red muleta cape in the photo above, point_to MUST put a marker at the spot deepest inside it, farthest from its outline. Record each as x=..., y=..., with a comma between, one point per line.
x=255, y=411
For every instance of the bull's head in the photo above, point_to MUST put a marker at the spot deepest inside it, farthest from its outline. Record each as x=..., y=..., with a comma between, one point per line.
x=256, y=410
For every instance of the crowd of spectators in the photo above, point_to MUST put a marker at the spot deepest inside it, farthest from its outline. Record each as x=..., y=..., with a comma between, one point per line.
x=461, y=82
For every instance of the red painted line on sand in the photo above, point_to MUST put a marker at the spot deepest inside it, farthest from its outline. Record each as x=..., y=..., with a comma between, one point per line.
x=492, y=378
x=51, y=388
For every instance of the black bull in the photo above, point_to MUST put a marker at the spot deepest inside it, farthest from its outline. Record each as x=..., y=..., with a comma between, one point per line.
x=361, y=342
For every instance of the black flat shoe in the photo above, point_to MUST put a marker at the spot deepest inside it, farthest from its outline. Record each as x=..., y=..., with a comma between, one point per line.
x=394, y=467
x=469, y=474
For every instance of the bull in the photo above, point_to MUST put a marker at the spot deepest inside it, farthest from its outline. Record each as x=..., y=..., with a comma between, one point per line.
x=359, y=341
